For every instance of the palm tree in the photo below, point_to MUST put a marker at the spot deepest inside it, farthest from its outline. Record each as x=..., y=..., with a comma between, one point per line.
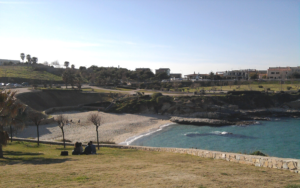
x=22, y=56
x=66, y=64
x=28, y=57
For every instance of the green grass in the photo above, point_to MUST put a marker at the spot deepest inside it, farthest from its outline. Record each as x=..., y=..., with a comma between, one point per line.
x=28, y=165
x=27, y=72
x=99, y=90
x=293, y=186
x=124, y=89
x=254, y=87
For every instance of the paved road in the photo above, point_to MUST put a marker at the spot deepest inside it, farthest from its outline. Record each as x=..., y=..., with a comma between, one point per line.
x=25, y=90
x=21, y=90
x=150, y=92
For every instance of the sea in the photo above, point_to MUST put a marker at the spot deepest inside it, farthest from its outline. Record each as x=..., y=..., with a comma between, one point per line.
x=279, y=137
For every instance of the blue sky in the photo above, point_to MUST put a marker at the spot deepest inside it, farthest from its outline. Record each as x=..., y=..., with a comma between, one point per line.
x=185, y=36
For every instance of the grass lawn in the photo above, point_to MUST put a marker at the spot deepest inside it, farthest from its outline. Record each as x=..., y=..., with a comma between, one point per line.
x=27, y=72
x=100, y=90
x=124, y=89
x=253, y=87
x=26, y=165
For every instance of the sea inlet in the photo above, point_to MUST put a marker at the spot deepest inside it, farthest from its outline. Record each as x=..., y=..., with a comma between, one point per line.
x=279, y=137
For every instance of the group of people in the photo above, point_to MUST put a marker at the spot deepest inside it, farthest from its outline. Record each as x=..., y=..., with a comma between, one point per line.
x=89, y=149
x=71, y=121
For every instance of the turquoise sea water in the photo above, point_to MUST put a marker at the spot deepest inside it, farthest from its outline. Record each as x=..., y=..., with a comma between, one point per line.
x=279, y=137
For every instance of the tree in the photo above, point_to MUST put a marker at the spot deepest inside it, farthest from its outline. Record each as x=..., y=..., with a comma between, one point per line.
x=55, y=64
x=28, y=57
x=34, y=60
x=68, y=77
x=211, y=75
x=66, y=64
x=95, y=118
x=253, y=76
x=295, y=75
x=22, y=56
x=72, y=66
x=61, y=120
x=82, y=68
x=36, y=118
x=9, y=109
x=78, y=80
x=46, y=63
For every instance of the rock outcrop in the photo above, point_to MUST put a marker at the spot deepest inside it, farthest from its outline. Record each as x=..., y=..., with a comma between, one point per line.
x=209, y=122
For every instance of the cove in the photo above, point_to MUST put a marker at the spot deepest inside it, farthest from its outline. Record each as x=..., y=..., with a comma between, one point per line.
x=278, y=138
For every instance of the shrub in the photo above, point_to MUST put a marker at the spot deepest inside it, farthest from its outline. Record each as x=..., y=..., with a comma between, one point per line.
x=58, y=86
x=34, y=86
x=260, y=86
x=155, y=95
x=288, y=87
x=163, y=99
x=258, y=153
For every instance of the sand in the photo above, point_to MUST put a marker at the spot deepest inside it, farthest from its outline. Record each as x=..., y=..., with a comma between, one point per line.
x=114, y=128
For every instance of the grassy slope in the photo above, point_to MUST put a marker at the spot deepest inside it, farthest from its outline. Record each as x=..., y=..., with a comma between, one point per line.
x=27, y=72
x=29, y=166
x=274, y=86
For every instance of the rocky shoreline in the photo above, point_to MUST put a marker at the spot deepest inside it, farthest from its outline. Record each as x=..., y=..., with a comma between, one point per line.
x=238, y=117
x=209, y=122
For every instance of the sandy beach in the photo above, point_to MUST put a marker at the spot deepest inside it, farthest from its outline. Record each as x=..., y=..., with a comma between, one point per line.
x=115, y=127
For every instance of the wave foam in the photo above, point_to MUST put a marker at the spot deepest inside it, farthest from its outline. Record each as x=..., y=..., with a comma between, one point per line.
x=185, y=134
x=128, y=141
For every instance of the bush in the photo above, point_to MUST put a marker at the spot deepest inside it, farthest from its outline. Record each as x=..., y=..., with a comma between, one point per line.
x=163, y=99
x=260, y=86
x=258, y=153
x=34, y=86
x=288, y=87
x=155, y=95
x=58, y=86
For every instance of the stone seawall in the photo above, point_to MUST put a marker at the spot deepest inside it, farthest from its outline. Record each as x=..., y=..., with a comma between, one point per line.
x=292, y=165
x=260, y=161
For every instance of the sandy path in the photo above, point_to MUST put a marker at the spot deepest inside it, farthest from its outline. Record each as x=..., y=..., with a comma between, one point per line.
x=115, y=127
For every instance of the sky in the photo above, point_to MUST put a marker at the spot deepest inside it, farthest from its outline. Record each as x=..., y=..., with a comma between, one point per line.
x=186, y=36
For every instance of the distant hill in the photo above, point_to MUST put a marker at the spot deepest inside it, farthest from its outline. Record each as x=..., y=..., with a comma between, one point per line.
x=38, y=72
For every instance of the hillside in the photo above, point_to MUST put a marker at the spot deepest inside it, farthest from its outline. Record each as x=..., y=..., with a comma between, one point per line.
x=27, y=73
x=45, y=100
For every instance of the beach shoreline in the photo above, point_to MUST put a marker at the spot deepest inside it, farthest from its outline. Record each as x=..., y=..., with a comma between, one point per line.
x=115, y=128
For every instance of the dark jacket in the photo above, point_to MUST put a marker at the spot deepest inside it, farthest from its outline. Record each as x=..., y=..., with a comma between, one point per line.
x=88, y=149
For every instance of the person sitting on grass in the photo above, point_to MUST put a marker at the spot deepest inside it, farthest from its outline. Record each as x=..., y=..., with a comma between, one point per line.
x=93, y=147
x=80, y=147
x=88, y=149
x=77, y=150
